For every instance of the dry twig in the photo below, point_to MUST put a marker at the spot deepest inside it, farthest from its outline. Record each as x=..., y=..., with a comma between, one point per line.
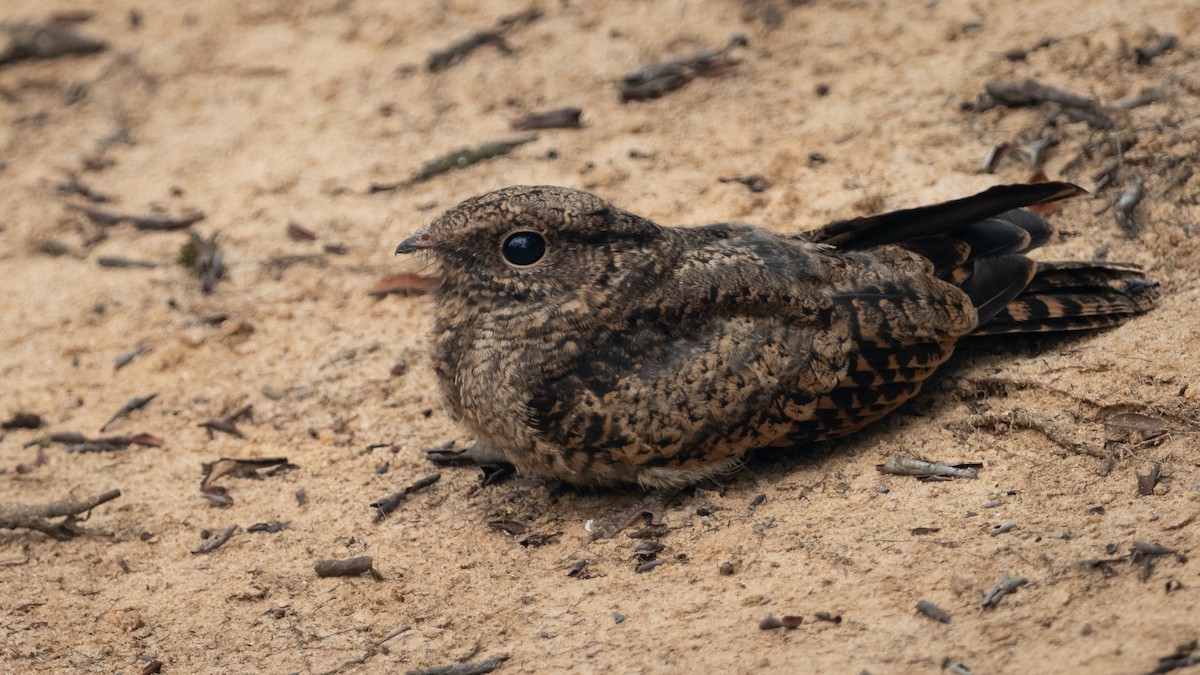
x=903, y=466
x=350, y=567
x=658, y=79
x=457, y=159
x=560, y=118
x=34, y=516
x=1003, y=587
x=215, y=541
x=1032, y=92
x=46, y=41
x=933, y=611
x=474, y=668
x=133, y=404
x=392, y=502
x=1019, y=418
x=151, y=223
x=445, y=58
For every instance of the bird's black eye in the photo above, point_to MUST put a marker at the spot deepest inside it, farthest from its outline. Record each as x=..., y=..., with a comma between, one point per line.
x=524, y=248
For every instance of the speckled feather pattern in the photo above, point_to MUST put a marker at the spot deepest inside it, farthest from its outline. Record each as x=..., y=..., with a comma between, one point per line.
x=633, y=352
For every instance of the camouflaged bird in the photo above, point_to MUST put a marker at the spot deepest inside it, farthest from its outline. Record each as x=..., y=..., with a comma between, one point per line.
x=586, y=343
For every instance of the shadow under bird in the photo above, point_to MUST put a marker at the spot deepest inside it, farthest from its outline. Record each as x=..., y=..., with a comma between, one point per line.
x=585, y=343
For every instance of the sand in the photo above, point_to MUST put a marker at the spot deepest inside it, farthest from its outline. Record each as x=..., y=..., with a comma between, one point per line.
x=265, y=113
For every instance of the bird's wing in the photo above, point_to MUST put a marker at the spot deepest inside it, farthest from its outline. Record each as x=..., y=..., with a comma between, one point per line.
x=752, y=342
x=924, y=221
x=651, y=399
x=903, y=324
x=979, y=243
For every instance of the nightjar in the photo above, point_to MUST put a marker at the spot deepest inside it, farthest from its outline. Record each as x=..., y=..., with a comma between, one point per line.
x=583, y=342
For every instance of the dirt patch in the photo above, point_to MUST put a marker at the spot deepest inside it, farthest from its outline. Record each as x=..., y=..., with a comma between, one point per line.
x=262, y=114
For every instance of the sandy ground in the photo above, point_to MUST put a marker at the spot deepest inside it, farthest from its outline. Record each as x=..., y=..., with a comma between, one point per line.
x=265, y=113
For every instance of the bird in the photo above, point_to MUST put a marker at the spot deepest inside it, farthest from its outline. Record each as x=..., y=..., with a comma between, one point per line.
x=584, y=343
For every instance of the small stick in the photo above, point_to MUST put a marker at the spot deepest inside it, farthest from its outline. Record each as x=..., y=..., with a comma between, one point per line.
x=1146, y=97
x=228, y=423
x=659, y=79
x=1020, y=54
x=46, y=41
x=997, y=153
x=1003, y=587
x=561, y=118
x=369, y=653
x=121, y=262
x=1002, y=528
x=124, y=359
x=1032, y=92
x=130, y=406
x=392, y=502
x=475, y=668
x=465, y=157
x=67, y=437
x=441, y=60
x=350, y=567
x=444, y=58
x=755, y=183
x=33, y=516
x=1163, y=45
x=915, y=467
x=1019, y=418
x=1147, y=548
x=933, y=611
x=457, y=159
x=112, y=443
x=215, y=542
x=77, y=442
x=152, y=223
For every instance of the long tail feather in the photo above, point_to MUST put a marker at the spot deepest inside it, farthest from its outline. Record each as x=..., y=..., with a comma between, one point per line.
x=923, y=221
x=1075, y=296
x=978, y=243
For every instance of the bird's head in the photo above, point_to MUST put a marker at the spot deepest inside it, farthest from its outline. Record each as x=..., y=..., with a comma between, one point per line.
x=531, y=243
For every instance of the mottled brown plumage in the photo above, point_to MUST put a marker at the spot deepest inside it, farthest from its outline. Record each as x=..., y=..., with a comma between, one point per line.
x=586, y=343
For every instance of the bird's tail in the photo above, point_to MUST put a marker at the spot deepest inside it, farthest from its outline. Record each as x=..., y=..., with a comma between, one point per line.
x=1064, y=296
x=979, y=244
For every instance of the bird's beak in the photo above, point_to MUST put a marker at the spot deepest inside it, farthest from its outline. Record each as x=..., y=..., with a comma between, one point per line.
x=421, y=241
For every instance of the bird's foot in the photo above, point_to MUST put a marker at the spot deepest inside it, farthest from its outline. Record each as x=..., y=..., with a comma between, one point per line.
x=653, y=506
x=494, y=466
